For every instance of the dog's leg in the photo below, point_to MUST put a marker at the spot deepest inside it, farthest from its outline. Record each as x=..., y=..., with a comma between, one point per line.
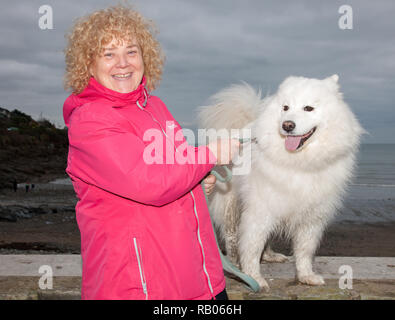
x=231, y=222
x=270, y=256
x=253, y=236
x=305, y=242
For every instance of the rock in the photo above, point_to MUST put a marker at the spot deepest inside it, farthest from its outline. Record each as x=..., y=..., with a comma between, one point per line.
x=20, y=212
x=41, y=210
x=12, y=213
x=5, y=216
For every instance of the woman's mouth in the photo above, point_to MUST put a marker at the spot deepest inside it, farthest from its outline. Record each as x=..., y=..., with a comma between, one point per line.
x=122, y=76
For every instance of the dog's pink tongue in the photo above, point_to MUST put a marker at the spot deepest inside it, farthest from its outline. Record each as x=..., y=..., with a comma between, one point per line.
x=292, y=142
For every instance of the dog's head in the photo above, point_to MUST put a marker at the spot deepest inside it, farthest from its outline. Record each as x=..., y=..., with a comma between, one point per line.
x=303, y=104
x=308, y=116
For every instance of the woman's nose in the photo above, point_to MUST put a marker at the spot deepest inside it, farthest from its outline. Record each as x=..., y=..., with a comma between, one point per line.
x=122, y=61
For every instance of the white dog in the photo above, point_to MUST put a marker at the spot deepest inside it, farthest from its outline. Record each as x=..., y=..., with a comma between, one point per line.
x=302, y=157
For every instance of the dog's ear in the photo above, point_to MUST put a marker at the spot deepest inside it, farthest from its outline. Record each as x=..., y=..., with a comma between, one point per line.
x=332, y=82
x=334, y=78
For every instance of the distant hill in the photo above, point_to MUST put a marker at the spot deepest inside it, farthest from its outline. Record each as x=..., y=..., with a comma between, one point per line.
x=30, y=150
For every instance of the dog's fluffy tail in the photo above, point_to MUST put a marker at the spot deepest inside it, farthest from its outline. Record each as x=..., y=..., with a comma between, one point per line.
x=231, y=108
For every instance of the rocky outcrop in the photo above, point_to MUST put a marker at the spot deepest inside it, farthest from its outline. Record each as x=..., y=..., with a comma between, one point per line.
x=30, y=150
x=12, y=213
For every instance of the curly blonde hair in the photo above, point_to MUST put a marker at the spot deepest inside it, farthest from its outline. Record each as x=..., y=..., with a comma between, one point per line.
x=91, y=33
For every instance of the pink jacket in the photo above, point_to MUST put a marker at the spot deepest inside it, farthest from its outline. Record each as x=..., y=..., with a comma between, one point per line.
x=145, y=228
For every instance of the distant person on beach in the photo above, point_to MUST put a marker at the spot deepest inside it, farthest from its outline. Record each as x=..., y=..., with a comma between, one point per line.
x=27, y=187
x=15, y=185
x=145, y=228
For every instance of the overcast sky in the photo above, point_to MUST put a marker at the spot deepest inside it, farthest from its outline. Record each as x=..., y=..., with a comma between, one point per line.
x=211, y=44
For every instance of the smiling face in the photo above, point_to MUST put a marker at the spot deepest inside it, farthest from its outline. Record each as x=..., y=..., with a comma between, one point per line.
x=304, y=108
x=298, y=123
x=324, y=128
x=119, y=67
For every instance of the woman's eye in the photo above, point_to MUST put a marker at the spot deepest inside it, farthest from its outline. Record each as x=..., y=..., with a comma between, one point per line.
x=132, y=52
x=285, y=108
x=308, y=108
x=109, y=55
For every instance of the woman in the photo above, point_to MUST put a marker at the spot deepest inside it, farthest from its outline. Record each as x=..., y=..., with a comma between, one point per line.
x=145, y=228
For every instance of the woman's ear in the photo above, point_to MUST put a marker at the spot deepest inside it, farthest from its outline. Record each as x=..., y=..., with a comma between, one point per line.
x=91, y=68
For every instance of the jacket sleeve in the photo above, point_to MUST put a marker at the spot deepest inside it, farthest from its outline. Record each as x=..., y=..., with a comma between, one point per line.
x=104, y=155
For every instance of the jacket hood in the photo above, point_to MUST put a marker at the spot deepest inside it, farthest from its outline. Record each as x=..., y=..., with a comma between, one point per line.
x=95, y=91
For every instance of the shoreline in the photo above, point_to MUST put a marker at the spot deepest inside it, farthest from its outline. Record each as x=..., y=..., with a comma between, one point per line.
x=352, y=240
x=58, y=234
x=52, y=227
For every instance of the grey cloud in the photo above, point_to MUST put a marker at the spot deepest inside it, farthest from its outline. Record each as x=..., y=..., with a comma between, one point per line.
x=211, y=44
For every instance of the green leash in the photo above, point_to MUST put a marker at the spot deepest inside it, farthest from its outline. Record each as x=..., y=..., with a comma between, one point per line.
x=227, y=265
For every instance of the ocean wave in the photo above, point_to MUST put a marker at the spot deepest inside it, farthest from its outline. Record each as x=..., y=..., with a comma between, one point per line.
x=65, y=181
x=373, y=185
x=367, y=211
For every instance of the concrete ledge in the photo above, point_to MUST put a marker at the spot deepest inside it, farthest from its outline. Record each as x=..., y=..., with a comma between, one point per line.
x=27, y=288
x=284, y=289
x=373, y=278
x=330, y=268
x=68, y=288
x=70, y=266
x=62, y=265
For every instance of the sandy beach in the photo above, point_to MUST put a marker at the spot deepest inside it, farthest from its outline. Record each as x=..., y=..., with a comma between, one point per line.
x=45, y=223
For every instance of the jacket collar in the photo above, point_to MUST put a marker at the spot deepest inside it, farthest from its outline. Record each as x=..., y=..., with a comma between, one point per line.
x=95, y=91
x=119, y=99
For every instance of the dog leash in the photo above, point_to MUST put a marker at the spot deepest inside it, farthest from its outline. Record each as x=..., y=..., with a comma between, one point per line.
x=226, y=264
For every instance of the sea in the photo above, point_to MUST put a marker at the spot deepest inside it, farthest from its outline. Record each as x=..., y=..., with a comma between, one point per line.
x=371, y=195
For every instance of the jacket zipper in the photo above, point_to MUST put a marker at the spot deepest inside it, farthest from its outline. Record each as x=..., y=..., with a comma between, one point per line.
x=201, y=246
x=141, y=268
x=194, y=208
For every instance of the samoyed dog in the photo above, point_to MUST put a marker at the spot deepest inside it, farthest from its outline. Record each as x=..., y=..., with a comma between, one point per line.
x=305, y=140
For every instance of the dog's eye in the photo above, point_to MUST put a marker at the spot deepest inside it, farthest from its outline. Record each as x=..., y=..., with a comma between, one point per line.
x=308, y=108
x=285, y=108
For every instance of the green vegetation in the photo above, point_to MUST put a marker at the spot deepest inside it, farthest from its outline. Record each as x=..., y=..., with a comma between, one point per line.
x=30, y=149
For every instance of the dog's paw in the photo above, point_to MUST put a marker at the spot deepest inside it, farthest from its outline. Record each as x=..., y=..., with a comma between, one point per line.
x=263, y=284
x=312, y=280
x=274, y=257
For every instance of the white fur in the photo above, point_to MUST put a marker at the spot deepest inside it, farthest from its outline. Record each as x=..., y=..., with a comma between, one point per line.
x=294, y=192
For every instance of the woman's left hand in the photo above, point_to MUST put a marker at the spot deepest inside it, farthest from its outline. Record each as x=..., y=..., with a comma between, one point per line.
x=209, y=183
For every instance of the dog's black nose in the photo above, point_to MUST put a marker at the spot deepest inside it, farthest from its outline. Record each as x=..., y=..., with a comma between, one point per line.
x=289, y=125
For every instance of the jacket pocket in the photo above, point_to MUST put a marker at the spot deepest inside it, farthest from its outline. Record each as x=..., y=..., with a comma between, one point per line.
x=139, y=257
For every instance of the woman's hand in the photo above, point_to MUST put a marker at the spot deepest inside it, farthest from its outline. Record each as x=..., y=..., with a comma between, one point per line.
x=224, y=149
x=209, y=183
